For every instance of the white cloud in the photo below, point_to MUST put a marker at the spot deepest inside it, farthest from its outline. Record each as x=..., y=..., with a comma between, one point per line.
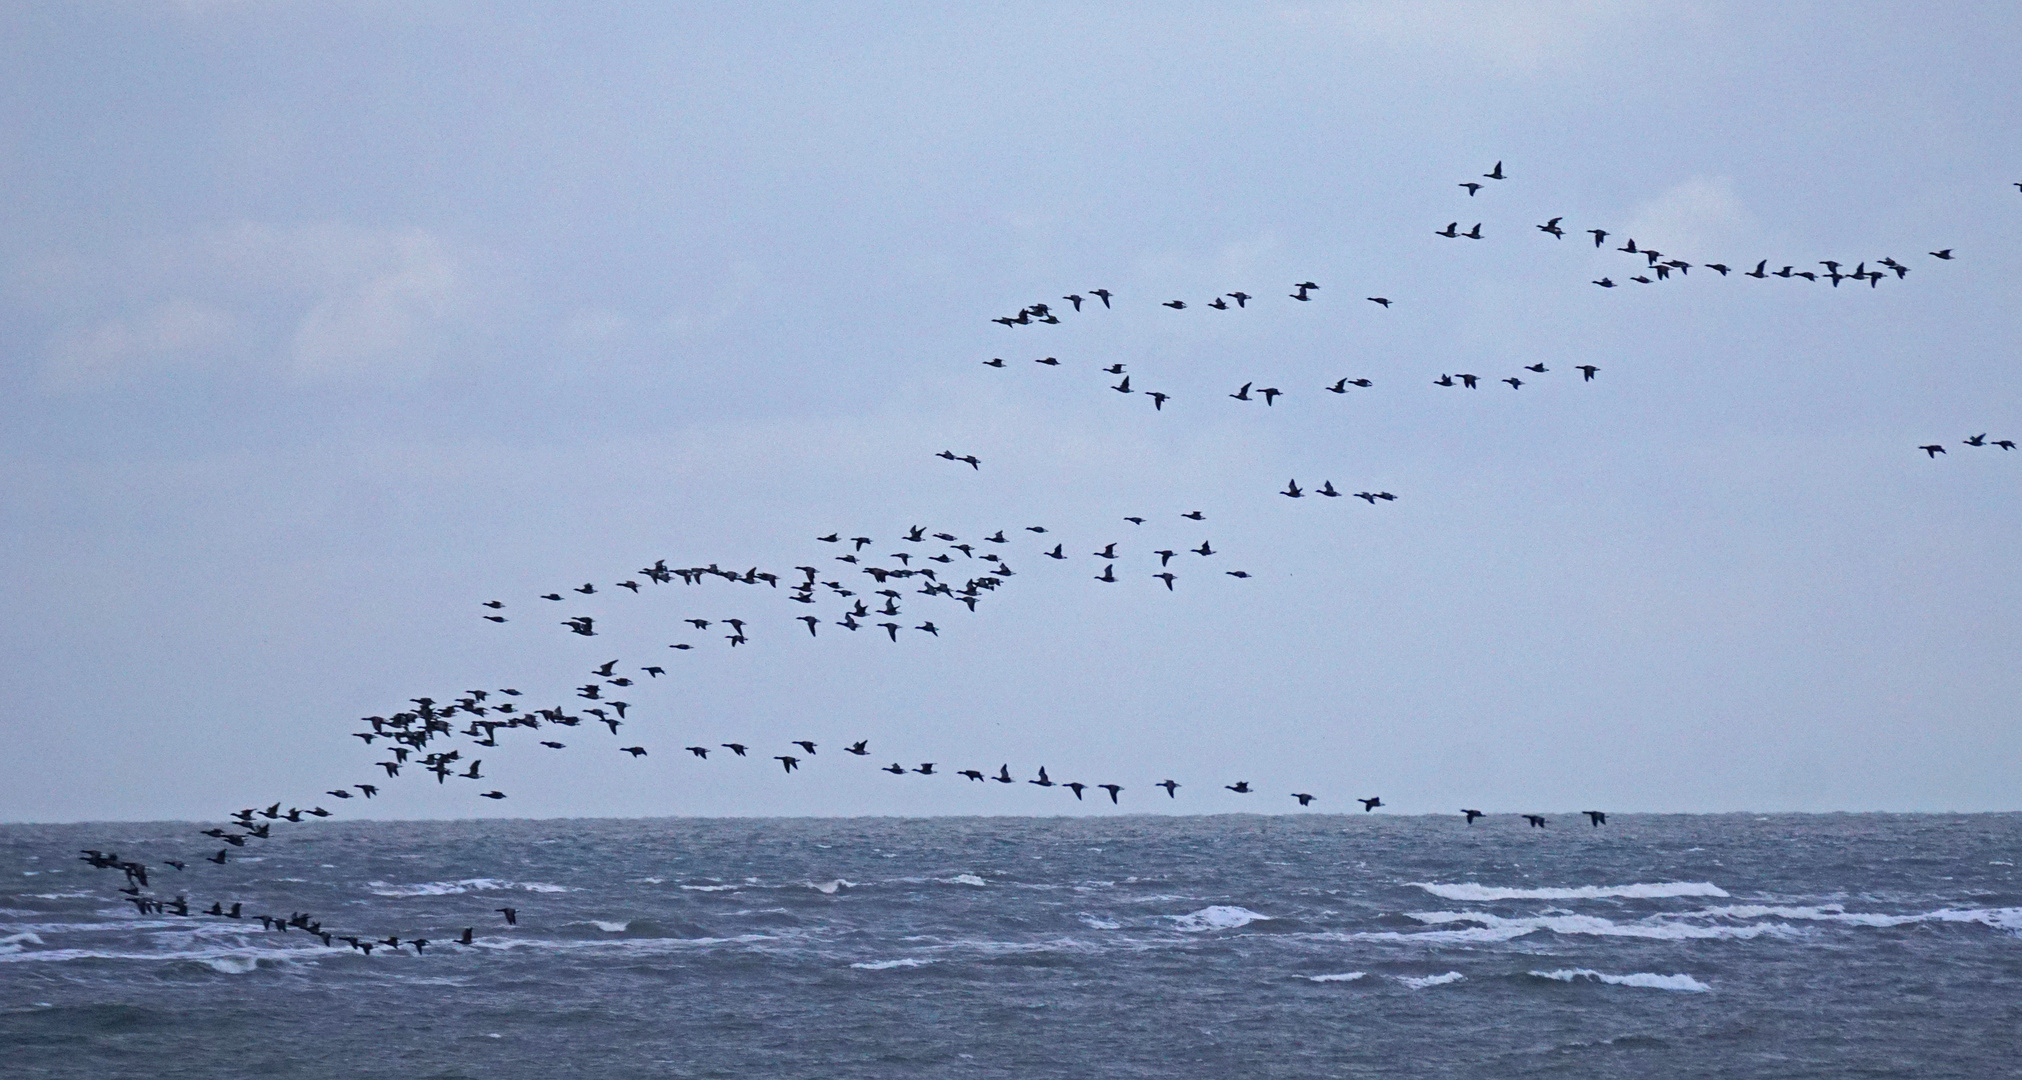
x=1700, y=217
x=314, y=301
x=1513, y=36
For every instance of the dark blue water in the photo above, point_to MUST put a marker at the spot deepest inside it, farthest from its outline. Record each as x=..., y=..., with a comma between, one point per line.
x=1732, y=946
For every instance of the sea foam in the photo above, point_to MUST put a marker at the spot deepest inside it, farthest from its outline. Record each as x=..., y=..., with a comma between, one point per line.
x=1218, y=917
x=1638, y=890
x=1431, y=980
x=1643, y=979
x=887, y=965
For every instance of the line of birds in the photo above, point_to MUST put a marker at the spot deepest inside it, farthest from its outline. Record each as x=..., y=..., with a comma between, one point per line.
x=1932, y=450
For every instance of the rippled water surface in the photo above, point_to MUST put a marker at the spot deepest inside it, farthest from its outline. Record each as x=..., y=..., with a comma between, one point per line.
x=1730, y=946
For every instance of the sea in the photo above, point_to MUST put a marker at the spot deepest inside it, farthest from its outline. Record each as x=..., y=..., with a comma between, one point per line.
x=1130, y=946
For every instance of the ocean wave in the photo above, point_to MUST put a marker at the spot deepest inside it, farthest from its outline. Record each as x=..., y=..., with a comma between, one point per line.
x=711, y=888
x=964, y=879
x=1643, y=979
x=1099, y=924
x=1345, y=976
x=1431, y=980
x=1638, y=891
x=2008, y=919
x=1657, y=927
x=466, y=885
x=887, y=965
x=831, y=887
x=611, y=927
x=235, y=959
x=1218, y=917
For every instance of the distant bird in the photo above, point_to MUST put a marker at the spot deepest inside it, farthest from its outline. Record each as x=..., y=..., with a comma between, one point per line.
x=735, y=748
x=1112, y=789
x=1606, y=283
x=1471, y=815
x=1158, y=400
x=1597, y=817
x=492, y=795
x=1474, y=233
x=635, y=751
x=995, y=361
x=1176, y=305
x=1100, y=294
x=1218, y=304
x=1722, y=268
x=1587, y=370
x=1056, y=552
x=894, y=768
x=1044, y=780
x=1537, y=367
x=1270, y=394
x=1327, y=489
x=858, y=748
x=804, y=745
x=1075, y=299
x=493, y=604
x=1304, y=799
x=1243, y=394
x=1451, y=231
x=1945, y=254
x=1193, y=515
x=1514, y=383
x=1496, y=173
x=1241, y=298
x=1537, y=820
x=1122, y=387
x=1170, y=786
x=1977, y=440
x=1552, y=227
x=1933, y=450
x=789, y=762
x=1167, y=578
x=1078, y=788
x=512, y=915
x=1600, y=236
x=587, y=588
x=1108, y=573
x=1004, y=775
x=1240, y=787
x=2005, y=444
x=1370, y=804
x=551, y=596
x=1292, y=490
x=1384, y=300
x=1048, y=361
x=972, y=774
x=1471, y=187
x=553, y=745
x=1237, y=573
x=1757, y=272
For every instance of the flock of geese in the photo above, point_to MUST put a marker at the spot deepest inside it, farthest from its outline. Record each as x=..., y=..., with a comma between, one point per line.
x=856, y=584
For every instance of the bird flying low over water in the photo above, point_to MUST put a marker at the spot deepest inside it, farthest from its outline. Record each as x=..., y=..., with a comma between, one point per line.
x=1471, y=815
x=1596, y=817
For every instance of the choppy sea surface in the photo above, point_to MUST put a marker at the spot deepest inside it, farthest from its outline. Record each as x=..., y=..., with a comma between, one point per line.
x=1655, y=946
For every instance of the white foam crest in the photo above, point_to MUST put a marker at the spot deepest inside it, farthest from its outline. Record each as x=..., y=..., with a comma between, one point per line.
x=2009, y=919
x=831, y=887
x=21, y=939
x=1431, y=980
x=1218, y=917
x=887, y=965
x=1478, y=935
x=1638, y=890
x=235, y=955
x=1656, y=928
x=964, y=879
x=611, y=927
x=1644, y=979
x=711, y=888
x=1345, y=976
x=234, y=965
x=466, y=885
x=1099, y=924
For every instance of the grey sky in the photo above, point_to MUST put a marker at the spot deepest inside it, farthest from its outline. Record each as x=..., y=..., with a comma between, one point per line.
x=324, y=323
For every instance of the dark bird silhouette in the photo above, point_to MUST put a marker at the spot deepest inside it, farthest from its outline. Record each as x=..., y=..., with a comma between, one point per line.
x=1240, y=787
x=1108, y=573
x=587, y=588
x=735, y=748
x=1471, y=815
x=2005, y=444
x=1945, y=254
x=493, y=604
x=1243, y=394
x=1471, y=187
x=804, y=745
x=492, y=795
x=1176, y=305
x=551, y=596
x=635, y=751
x=1158, y=400
x=1113, y=789
x=1100, y=294
x=1757, y=272
x=1044, y=780
x=1600, y=236
x=995, y=361
x=1933, y=450
x=1552, y=227
x=1596, y=817
x=1075, y=299
x=1122, y=387
x=1605, y=283
x=1327, y=489
x=1514, y=383
x=1474, y=233
x=699, y=751
x=1242, y=299
x=1370, y=804
x=1537, y=820
x=1270, y=394
x=858, y=748
x=1218, y=304
x=789, y=762
x=1384, y=300
x=1538, y=367
x=554, y=745
x=1977, y=440
x=1292, y=490
x=1496, y=173
x=1170, y=786
x=1167, y=578
x=1451, y=231
x=972, y=774
x=1587, y=371
x=1304, y=799
x=1077, y=788
x=894, y=768
x=1720, y=268
x=1004, y=775
x=512, y=915
x=1203, y=550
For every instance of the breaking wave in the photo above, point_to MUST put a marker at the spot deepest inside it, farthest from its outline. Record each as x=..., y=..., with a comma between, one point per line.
x=1218, y=917
x=1643, y=979
x=467, y=885
x=1431, y=980
x=887, y=965
x=1638, y=890
x=1345, y=976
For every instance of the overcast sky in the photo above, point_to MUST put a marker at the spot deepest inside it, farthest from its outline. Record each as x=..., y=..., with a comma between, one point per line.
x=324, y=323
